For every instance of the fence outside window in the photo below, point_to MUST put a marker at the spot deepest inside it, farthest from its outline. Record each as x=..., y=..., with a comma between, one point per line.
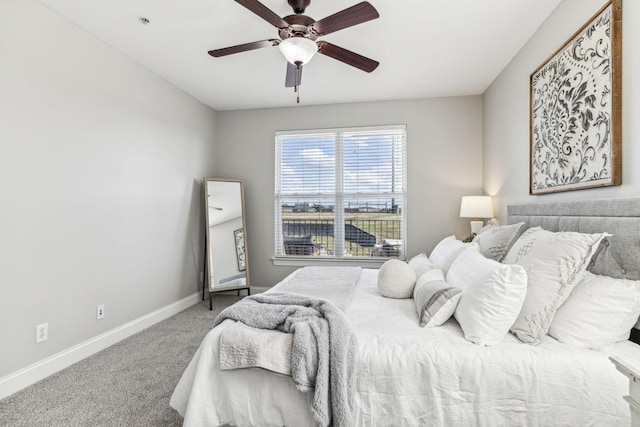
x=363, y=237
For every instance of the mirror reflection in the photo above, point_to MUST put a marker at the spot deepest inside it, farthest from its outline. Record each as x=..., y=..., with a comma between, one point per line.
x=227, y=264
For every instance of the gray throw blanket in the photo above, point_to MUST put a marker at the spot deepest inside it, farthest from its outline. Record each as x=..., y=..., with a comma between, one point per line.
x=323, y=350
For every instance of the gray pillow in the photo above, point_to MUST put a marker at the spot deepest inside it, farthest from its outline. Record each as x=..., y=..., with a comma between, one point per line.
x=496, y=240
x=435, y=299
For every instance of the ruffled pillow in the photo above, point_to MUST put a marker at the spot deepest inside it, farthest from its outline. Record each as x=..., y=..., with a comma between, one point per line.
x=495, y=240
x=554, y=262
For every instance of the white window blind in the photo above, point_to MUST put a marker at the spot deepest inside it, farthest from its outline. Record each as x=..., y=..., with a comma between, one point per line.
x=341, y=192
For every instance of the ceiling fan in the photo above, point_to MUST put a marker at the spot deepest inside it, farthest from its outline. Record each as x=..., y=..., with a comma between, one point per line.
x=299, y=33
x=214, y=207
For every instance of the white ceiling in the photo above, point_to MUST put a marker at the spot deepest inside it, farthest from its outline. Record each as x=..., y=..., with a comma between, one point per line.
x=426, y=48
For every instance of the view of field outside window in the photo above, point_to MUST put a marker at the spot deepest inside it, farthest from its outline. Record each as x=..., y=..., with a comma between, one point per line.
x=349, y=204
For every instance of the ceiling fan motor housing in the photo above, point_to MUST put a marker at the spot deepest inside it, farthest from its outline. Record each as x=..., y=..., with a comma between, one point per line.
x=299, y=5
x=298, y=27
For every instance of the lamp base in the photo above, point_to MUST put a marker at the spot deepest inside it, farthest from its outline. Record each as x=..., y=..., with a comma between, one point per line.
x=476, y=226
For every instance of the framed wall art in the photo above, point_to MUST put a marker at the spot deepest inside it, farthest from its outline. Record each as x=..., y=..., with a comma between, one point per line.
x=575, y=109
x=239, y=238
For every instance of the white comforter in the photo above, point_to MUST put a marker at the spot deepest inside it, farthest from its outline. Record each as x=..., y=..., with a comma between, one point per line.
x=412, y=376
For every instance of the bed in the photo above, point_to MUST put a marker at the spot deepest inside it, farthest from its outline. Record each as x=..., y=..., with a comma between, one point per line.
x=409, y=375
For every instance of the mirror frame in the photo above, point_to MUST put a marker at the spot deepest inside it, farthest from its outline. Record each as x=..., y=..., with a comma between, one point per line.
x=208, y=254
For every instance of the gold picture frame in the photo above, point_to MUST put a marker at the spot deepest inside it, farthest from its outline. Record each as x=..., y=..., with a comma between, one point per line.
x=575, y=109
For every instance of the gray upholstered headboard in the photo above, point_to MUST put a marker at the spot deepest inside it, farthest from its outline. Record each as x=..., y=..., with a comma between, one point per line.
x=619, y=255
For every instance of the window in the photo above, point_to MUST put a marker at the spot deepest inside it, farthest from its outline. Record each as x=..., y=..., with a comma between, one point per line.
x=341, y=192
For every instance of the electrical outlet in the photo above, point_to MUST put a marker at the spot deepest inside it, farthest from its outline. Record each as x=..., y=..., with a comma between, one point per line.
x=42, y=332
x=100, y=312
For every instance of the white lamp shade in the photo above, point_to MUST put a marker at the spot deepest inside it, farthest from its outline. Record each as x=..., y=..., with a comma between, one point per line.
x=476, y=207
x=298, y=50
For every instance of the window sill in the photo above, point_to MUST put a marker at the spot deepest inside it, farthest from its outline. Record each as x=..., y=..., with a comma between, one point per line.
x=293, y=261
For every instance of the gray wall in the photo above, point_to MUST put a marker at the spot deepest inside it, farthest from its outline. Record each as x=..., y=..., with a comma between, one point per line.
x=506, y=109
x=100, y=170
x=444, y=163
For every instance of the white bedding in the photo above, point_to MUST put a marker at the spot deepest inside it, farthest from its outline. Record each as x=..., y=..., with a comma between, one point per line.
x=412, y=376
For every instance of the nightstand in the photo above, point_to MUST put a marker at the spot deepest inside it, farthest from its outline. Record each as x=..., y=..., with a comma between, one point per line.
x=630, y=366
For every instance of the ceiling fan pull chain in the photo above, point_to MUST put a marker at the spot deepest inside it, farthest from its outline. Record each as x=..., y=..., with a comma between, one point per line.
x=296, y=89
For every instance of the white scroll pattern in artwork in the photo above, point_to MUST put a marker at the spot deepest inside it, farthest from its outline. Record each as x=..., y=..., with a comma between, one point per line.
x=571, y=145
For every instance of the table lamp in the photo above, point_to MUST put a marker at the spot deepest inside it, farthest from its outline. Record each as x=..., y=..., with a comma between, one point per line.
x=476, y=207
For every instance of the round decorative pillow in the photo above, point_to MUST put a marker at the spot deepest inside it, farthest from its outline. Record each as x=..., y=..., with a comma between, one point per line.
x=396, y=279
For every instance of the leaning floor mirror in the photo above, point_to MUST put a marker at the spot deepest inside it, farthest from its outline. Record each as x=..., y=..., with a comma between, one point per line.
x=226, y=248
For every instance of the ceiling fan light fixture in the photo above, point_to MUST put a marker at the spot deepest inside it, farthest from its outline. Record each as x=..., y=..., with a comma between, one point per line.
x=298, y=50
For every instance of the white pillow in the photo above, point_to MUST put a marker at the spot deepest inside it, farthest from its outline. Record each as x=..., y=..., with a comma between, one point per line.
x=435, y=299
x=599, y=312
x=396, y=279
x=554, y=263
x=495, y=240
x=447, y=250
x=492, y=295
x=420, y=264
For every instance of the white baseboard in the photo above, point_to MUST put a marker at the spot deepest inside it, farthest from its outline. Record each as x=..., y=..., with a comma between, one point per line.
x=31, y=374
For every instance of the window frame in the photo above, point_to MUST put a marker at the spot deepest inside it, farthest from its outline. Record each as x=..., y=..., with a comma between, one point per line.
x=340, y=194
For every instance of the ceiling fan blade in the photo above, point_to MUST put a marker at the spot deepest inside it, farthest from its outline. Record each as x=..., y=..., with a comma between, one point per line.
x=264, y=12
x=294, y=75
x=348, y=57
x=354, y=15
x=243, y=47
